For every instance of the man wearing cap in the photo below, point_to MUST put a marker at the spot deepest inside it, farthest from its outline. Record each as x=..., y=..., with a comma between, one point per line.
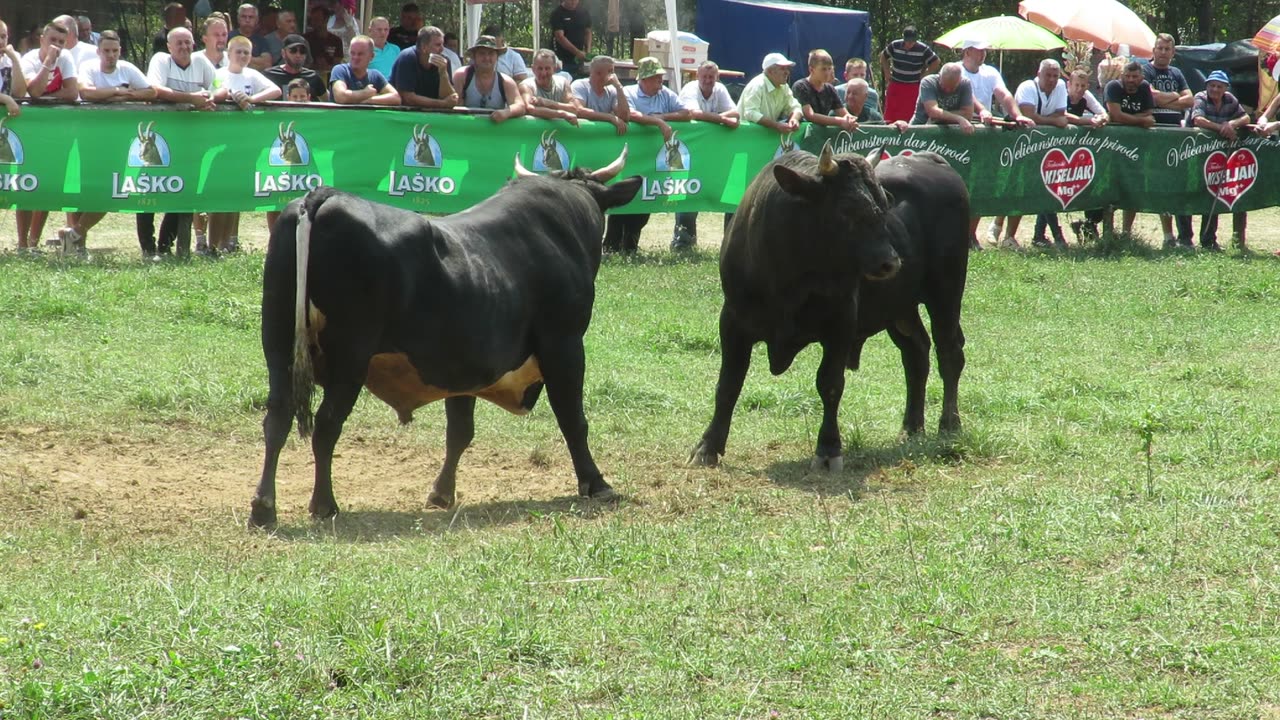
x=945, y=99
x=482, y=87
x=295, y=54
x=767, y=98
x=421, y=73
x=904, y=63
x=1215, y=109
x=355, y=83
x=510, y=62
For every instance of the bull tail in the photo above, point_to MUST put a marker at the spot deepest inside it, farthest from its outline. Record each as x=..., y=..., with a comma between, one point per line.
x=304, y=380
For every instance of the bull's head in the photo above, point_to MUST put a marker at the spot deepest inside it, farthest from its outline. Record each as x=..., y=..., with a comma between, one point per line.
x=148, y=152
x=6, y=152
x=422, y=146
x=844, y=189
x=289, y=145
x=674, y=160
x=550, y=153
x=607, y=196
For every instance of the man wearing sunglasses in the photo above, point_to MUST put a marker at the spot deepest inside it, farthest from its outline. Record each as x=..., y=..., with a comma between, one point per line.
x=293, y=67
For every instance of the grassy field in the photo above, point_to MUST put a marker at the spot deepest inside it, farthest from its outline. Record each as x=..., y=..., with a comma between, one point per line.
x=1099, y=542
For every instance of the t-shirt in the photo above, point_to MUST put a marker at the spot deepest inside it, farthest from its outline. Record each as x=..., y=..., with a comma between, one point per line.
x=1087, y=104
x=216, y=65
x=1228, y=111
x=604, y=103
x=249, y=81
x=1131, y=103
x=403, y=37
x=408, y=75
x=6, y=75
x=326, y=50
x=1169, y=79
x=82, y=53
x=559, y=91
x=984, y=83
x=282, y=77
x=873, y=97
x=823, y=102
x=512, y=63
x=931, y=89
x=907, y=66
x=660, y=103
x=719, y=102
x=371, y=77
x=126, y=75
x=384, y=59
x=1029, y=93
x=197, y=75
x=261, y=44
x=575, y=24
x=62, y=68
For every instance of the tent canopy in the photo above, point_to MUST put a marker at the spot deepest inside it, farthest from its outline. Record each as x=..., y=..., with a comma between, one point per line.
x=742, y=32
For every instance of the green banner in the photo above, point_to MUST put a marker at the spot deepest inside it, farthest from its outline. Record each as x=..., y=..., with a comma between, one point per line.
x=150, y=158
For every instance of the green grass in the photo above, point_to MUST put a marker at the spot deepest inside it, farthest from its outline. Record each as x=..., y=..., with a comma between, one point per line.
x=1033, y=566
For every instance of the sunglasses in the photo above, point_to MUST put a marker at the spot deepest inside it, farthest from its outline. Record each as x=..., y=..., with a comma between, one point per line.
x=296, y=50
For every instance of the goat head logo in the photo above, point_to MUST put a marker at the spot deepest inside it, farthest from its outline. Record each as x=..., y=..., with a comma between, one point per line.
x=289, y=148
x=149, y=149
x=674, y=155
x=550, y=155
x=422, y=149
x=10, y=146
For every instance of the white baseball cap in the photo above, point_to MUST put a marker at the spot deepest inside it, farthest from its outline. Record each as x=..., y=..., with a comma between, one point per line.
x=775, y=59
x=975, y=44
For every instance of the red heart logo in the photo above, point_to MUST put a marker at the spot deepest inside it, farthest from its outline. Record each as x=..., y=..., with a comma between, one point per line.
x=884, y=154
x=1066, y=178
x=1229, y=178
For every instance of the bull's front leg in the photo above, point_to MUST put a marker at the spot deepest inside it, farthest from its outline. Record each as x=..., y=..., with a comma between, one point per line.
x=459, y=431
x=829, y=454
x=735, y=360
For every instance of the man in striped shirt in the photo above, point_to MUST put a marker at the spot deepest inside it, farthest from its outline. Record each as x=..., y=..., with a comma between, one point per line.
x=904, y=62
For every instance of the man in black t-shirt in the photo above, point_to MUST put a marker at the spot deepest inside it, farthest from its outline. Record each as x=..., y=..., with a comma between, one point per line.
x=1129, y=102
x=406, y=33
x=817, y=94
x=295, y=54
x=571, y=35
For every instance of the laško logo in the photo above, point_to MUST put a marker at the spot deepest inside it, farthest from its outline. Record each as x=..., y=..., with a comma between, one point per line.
x=11, y=153
x=148, y=151
x=1066, y=178
x=421, y=151
x=1228, y=178
x=288, y=150
x=674, y=157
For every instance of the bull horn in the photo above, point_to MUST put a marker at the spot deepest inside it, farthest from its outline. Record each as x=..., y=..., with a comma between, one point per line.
x=608, y=172
x=520, y=169
x=827, y=160
x=875, y=156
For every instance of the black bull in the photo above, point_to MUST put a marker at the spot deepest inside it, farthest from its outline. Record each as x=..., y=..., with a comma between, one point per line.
x=489, y=303
x=818, y=253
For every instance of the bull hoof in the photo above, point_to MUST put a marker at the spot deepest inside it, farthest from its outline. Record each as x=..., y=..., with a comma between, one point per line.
x=438, y=500
x=601, y=493
x=704, y=456
x=949, y=425
x=834, y=464
x=262, y=514
x=323, y=512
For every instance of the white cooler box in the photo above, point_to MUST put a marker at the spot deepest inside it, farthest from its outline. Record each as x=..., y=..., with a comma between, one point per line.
x=693, y=49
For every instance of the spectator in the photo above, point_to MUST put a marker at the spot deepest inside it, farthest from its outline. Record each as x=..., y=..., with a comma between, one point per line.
x=298, y=90
x=13, y=82
x=1129, y=102
x=708, y=100
x=384, y=52
x=510, y=62
x=650, y=103
x=87, y=34
x=175, y=16
x=482, y=87
x=546, y=94
x=178, y=76
x=1173, y=99
x=108, y=80
x=767, y=98
x=286, y=25
x=571, y=35
x=214, y=34
x=81, y=52
x=903, y=64
x=356, y=83
x=858, y=102
x=945, y=99
x=856, y=69
x=247, y=25
x=295, y=54
x=600, y=95
x=422, y=75
x=406, y=34
x=1044, y=100
x=1217, y=110
x=268, y=19
x=817, y=95
x=49, y=73
x=343, y=24
x=326, y=48
x=452, y=45
x=1083, y=109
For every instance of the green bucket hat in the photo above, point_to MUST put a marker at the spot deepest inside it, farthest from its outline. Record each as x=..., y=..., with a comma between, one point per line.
x=648, y=67
x=484, y=42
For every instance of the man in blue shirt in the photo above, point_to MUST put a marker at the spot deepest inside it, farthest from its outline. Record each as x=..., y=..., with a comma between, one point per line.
x=355, y=83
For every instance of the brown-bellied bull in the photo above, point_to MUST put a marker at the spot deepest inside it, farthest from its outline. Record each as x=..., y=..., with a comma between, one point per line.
x=819, y=252
x=489, y=303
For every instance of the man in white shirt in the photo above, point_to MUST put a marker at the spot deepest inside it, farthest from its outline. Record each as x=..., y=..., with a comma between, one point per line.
x=81, y=52
x=709, y=101
x=107, y=79
x=214, y=36
x=1044, y=100
x=510, y=61
x=50, y=73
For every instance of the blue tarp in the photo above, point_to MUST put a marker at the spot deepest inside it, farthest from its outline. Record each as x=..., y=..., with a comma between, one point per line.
x=741, y=33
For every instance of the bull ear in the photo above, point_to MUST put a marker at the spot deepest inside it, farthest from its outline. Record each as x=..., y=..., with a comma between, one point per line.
x=798, y=184
x=619, y=193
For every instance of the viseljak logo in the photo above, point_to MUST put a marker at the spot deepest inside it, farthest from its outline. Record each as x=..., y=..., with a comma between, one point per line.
x=149, y=149
x=289, y=149
x=674, y=155
x=422, y=150
x=551, y=155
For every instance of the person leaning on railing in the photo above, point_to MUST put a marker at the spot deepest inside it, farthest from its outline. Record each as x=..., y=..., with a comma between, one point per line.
x=1217, y=110
x=50, y=73
x=1043, y=99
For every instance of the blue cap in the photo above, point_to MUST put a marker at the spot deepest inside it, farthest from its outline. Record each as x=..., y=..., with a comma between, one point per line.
x=1218, y=76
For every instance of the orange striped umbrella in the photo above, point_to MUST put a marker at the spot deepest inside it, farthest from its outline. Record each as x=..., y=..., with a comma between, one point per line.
x=1268, y=38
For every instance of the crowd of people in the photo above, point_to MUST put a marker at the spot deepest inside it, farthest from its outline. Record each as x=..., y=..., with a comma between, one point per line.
x=261, y=57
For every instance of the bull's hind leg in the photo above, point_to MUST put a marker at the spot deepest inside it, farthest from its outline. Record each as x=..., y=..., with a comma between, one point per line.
x=460, y=428
x=949, y=339
x=735, y=360
x=563, y=364
x=275, y=429
x=339, y=397
x=829, y=453
x=909, y=335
